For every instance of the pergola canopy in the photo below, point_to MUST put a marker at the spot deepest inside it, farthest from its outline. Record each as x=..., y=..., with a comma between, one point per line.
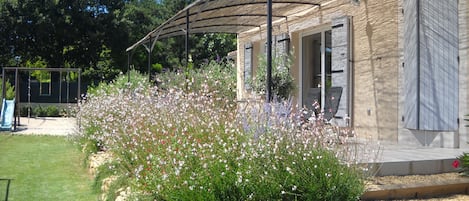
x=224, y=16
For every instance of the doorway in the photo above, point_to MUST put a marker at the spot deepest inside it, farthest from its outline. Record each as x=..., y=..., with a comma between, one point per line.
x=316, y=68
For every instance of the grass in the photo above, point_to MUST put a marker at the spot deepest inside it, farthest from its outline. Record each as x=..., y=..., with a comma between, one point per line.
x=43, y=168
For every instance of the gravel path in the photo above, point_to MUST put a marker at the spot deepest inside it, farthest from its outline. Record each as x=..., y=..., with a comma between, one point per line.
x=46, y=126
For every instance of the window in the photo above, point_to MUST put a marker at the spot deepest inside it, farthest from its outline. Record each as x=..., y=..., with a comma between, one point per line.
x=325, y=69
x=45, y=84
x=316, y=68
x=247, y=66
x=280, y=48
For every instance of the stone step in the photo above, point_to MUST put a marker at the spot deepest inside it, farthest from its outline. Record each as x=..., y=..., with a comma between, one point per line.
x=420, y=167
x=396, y=160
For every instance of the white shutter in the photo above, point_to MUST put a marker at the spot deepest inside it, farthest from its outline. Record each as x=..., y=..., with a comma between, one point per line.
x=247, y=66
x=340, y=62
x=282, y=49
x=439, y=65
x=411, y=65
x=431, y=64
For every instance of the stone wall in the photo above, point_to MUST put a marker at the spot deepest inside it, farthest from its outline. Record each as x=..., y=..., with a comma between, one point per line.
x=375, y=59
x=375, y=69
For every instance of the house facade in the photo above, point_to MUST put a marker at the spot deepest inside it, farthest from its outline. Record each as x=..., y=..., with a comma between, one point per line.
x=397, y=68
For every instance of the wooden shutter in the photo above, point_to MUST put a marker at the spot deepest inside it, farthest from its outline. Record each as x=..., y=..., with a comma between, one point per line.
x=439, y=65
x=340, y=62
x=247, y=66
x=431, y=65
x=411, y=65
x=282, y=49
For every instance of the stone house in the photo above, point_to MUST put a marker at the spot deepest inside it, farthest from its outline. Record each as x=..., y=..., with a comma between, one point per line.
x=398, y=68
x=401, y=66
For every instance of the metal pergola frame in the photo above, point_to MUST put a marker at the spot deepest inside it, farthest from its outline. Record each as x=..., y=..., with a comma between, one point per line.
x=225, y=16
x=17, y=86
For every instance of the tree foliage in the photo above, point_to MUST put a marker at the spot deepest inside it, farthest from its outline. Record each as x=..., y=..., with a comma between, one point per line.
x=94, y=34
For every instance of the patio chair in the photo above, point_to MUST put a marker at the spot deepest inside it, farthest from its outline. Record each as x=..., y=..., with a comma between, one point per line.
x=333, y=96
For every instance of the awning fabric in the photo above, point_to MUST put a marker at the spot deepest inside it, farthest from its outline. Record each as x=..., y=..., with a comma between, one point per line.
x=225, y=16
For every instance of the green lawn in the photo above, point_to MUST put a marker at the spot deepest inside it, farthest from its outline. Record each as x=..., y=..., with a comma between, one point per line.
x=43, y=168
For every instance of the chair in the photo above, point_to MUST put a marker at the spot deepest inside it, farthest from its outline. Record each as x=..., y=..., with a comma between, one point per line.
x=7, y=188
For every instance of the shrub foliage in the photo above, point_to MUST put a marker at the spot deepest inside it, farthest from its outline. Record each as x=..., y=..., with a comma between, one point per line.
x=178, y=144
x=10, y=90
x=283, y=84
x=217, y=77
x=463, y=164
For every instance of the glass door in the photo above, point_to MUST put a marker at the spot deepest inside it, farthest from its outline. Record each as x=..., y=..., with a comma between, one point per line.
x=316, y=68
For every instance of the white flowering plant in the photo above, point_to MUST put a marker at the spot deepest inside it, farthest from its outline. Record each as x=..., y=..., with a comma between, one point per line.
x=175, y=144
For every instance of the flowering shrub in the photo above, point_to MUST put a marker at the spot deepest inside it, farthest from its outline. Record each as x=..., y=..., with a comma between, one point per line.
x=132, y=81
x=217, y=77
x=175, y=144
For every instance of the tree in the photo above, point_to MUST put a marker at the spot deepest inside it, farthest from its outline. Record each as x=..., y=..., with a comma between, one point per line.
x=63, y=33
x=212, y=46
x=89, y=33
